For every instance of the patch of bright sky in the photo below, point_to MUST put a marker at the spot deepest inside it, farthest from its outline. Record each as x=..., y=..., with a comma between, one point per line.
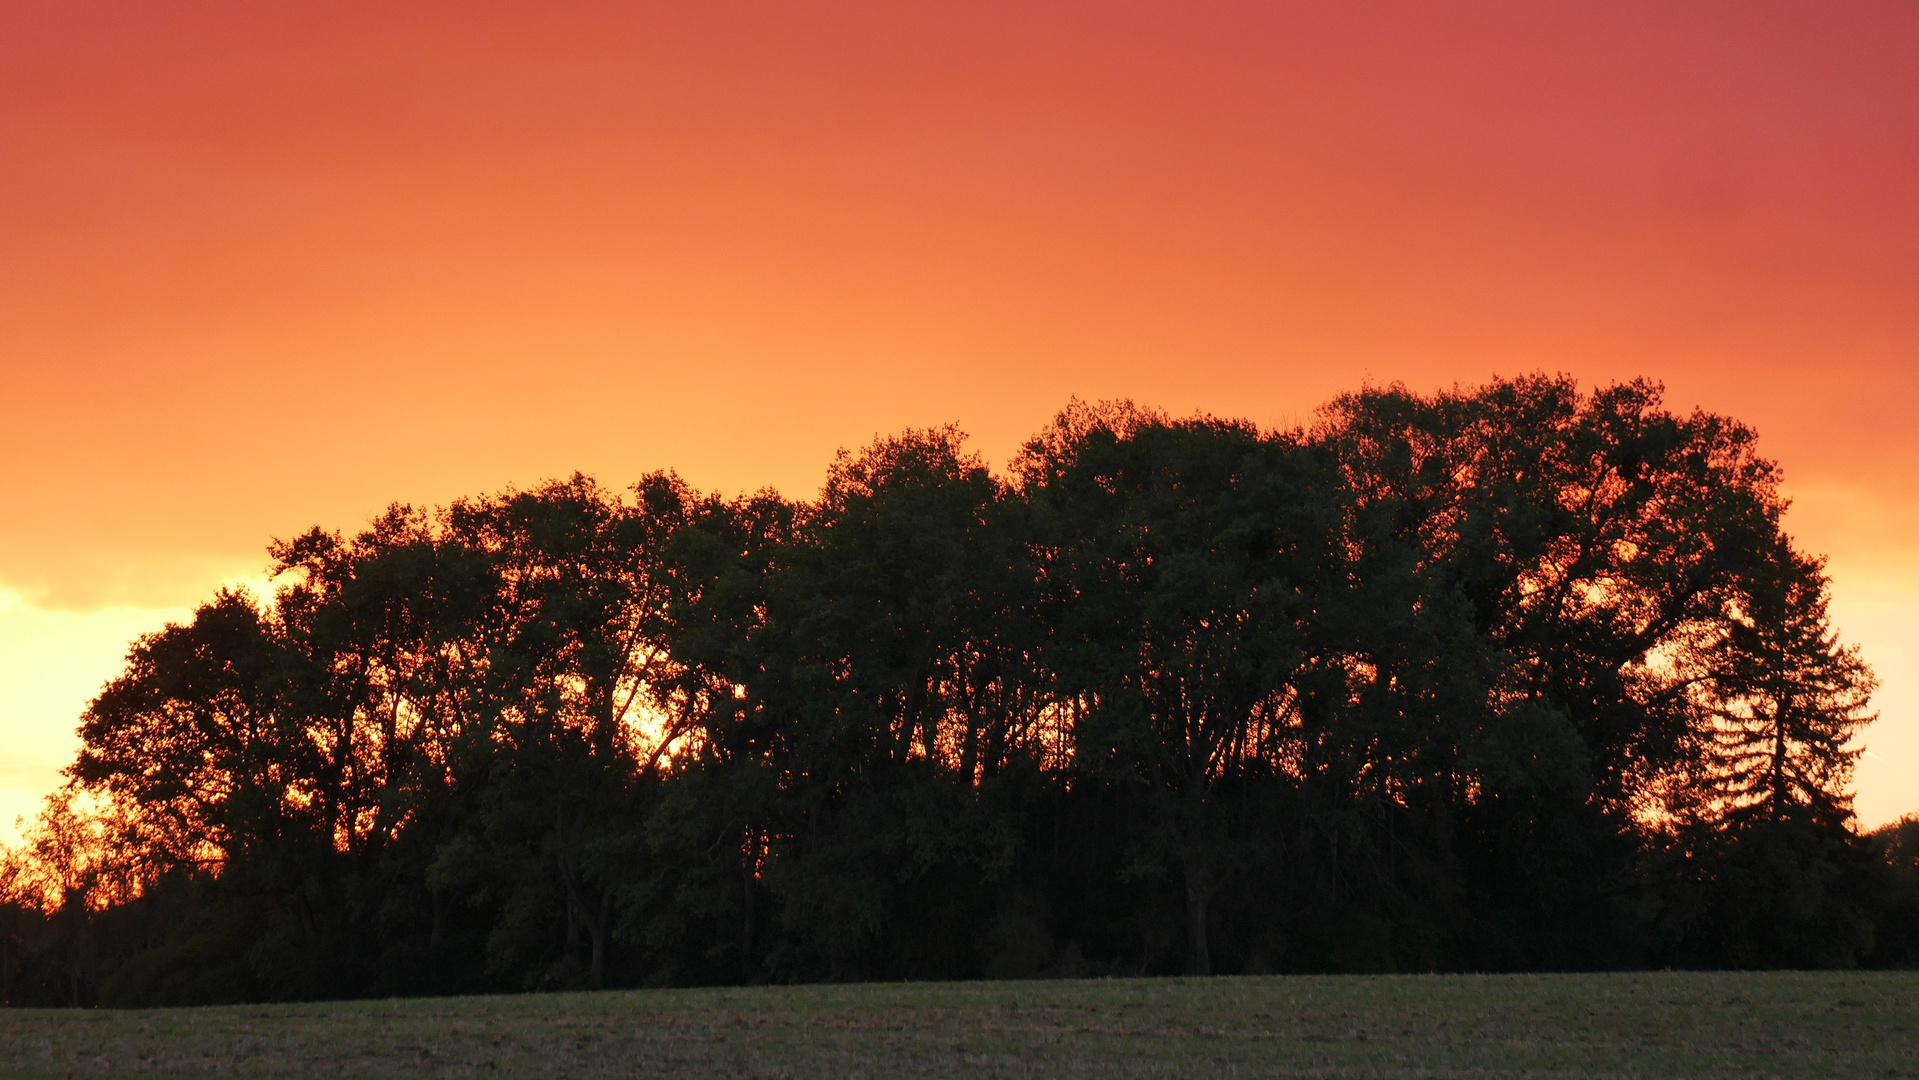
x=1868, y=535
x=1876, y=615
x=52, y=663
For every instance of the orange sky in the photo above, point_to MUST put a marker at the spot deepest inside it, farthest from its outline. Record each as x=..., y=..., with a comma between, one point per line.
x=263, y=266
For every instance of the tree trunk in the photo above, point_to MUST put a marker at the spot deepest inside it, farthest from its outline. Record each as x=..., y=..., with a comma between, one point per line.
x=596, y=929
x=1779, y=792
x=437, y=936
x=573, y=905
x=1198, y=960
x=749, y=873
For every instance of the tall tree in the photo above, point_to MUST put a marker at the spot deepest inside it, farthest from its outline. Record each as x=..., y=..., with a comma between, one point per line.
x=1788, y=701
x=195, y=740
x=1185, y=559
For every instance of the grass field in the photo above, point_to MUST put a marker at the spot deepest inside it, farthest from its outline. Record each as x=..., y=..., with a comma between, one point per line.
x=1790, y=1024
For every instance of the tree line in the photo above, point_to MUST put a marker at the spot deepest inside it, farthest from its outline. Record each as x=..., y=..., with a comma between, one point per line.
x=1508, y=677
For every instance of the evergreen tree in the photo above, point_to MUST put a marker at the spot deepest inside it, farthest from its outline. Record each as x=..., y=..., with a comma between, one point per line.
x=1788, y=701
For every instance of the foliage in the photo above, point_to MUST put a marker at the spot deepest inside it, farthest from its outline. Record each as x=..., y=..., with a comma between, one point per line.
x=1511, y=677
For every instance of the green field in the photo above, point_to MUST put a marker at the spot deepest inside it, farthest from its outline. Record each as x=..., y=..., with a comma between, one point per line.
x=1645, y=1025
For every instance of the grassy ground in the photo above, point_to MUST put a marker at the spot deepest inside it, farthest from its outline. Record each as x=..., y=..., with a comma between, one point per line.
x=1790, y=1024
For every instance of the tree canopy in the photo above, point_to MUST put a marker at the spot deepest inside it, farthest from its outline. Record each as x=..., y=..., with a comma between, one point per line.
x=1508, y=677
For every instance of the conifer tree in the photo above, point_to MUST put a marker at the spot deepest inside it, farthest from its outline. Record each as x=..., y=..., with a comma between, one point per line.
x=1789, y=702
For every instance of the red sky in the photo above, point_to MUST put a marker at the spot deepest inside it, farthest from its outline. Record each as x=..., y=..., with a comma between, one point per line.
x=264, y=266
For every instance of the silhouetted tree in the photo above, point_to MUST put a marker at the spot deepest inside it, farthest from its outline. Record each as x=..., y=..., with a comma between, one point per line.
x=1788, y=701
x=1512, y=676
x=1190, y=557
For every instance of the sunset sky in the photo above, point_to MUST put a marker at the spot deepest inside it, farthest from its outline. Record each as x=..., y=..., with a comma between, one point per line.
x=264, y=266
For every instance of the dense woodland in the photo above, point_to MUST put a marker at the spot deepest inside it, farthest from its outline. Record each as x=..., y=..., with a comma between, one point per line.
x=1514, y=677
